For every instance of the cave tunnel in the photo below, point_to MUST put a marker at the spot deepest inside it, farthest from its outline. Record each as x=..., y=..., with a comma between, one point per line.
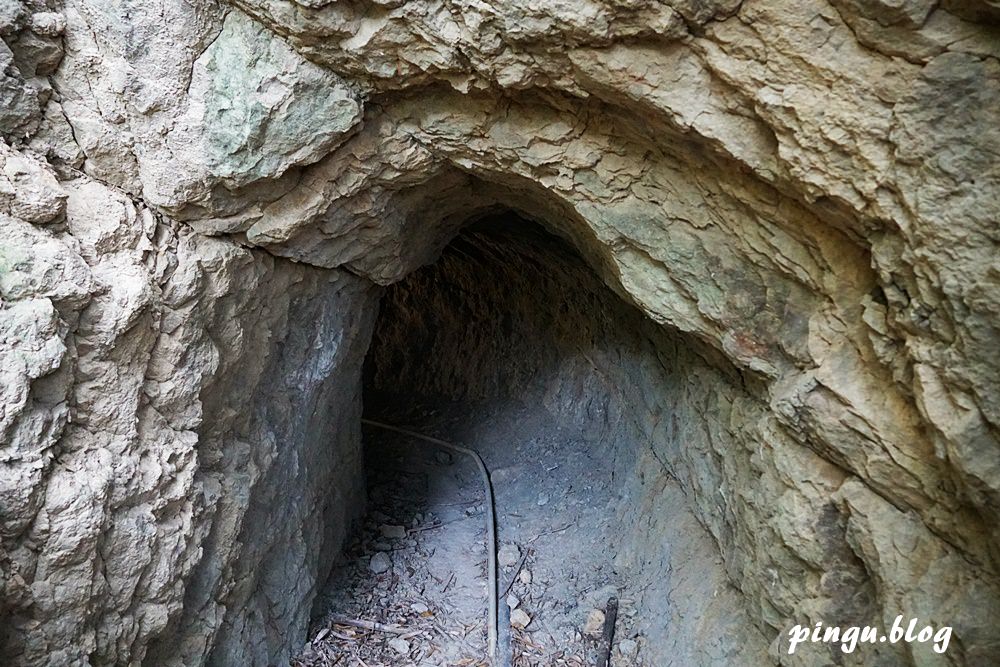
x=711, y=287
x=510, y=344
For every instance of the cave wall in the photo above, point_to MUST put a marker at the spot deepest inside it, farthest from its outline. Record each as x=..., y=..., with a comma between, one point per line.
x=809, y=189
x=162, y=390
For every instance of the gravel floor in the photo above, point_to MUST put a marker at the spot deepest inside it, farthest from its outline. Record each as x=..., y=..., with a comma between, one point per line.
x=417, y=565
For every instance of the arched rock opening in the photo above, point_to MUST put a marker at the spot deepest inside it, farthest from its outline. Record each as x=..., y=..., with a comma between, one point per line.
x=201, y=202
x=580, y=406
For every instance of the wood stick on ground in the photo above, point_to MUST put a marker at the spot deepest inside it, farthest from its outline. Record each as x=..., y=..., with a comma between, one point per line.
x=608, y=635
x=505, y=647
x=554, y=530
x=337, y=619
x=432, y=526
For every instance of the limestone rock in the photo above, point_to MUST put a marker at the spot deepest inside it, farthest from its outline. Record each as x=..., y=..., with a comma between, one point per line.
x=393, y=532
x=265, y=108
x=30, y=51
x=380, y=563
x=520, y=619
x=28, y=188
x=234, y=107
x=200, y=204
x=628, y=648
x=400, y=646
x=594, y=624
x=508, y=555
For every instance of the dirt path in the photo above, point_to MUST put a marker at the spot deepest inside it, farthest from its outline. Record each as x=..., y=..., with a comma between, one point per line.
x=419, y=561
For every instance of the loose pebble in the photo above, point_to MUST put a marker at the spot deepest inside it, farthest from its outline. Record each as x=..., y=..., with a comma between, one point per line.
x=392, y=532
x=400, y=646
x=380, y=563
x=628, y=648
x=508, y=555
x=519, y=619
x=595, y=623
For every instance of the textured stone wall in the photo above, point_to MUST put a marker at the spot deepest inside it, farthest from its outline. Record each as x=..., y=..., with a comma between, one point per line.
x=809, y=190
x=162, y=392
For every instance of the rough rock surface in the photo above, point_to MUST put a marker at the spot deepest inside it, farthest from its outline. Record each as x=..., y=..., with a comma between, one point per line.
x=803, y=194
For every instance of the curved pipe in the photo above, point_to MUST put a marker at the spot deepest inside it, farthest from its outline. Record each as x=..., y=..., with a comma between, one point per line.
x=491, y=522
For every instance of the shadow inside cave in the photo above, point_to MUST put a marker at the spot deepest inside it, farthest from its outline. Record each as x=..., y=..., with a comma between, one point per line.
x=511, y=345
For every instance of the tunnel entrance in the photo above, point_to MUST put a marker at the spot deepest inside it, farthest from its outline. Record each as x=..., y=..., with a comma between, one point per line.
x=511, y=345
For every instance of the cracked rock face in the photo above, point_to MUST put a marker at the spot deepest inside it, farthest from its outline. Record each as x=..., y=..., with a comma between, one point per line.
x=200, y=204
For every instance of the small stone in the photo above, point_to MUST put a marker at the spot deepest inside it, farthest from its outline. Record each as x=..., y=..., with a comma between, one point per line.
x=48, y=24
x=524, y=577
x=628, y=648
x=392, y=532
x=400, y=646
x=513, y=601
x=543, y=500
x=419, y=607
x=519, y=619
x=508, y=555
x=595, y=623
x=380, y=563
